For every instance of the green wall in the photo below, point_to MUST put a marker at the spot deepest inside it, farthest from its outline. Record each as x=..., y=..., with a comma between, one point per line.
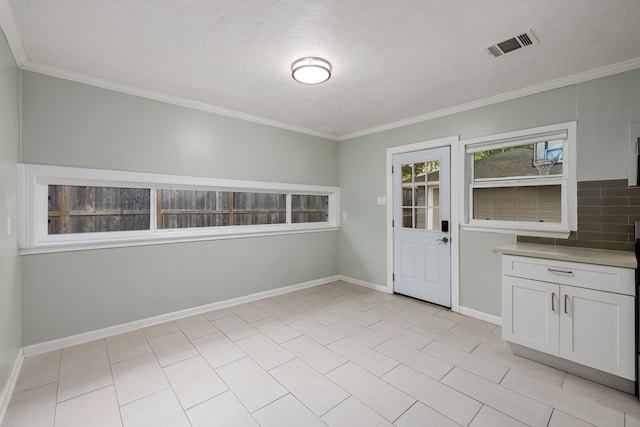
x=603, y=108
x=72, y=124
x=10, y=341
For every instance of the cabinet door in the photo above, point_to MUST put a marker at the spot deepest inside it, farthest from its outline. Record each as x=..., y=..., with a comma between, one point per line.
x=597, y=329
x=530, y=313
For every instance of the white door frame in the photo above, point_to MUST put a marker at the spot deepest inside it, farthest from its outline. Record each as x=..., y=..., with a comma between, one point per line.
x=452, y=142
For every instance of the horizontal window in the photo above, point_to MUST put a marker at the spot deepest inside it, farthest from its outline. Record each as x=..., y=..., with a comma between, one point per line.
x=72, y=209
x=522, y=182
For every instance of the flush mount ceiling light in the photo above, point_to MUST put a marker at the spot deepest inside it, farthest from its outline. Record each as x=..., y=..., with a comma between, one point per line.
x=311, y=70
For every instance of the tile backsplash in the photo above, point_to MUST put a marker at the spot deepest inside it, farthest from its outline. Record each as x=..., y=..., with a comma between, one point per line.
x=607, y=211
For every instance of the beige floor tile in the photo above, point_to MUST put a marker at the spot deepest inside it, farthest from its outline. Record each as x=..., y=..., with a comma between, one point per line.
x=160, y=409
x=275, y=329
x=415, y=359
x=218, y=350
x=420, y=415
x=317, y=331
x=83, y=374
x=321, y=316
x=39, y=370
x=172, y=347
x=431, y=320
x=379, y=395
x=528, y=367
x=392, y=317
x=468, y=361
x=310, y=387
x=352, y=312
x=127, y=346
x=262, y=303
x=217, y=314
x=35, y=407
x=160, y=329
x=248, y=312
x=365, y=357
x=405, y=336
x=460, y=318
x=563, y=400
x=448, y=402
x=225, y=409
x=480, y=333
x=194, y=381
x=522, y=408
x=138, y=377
x=445, y=336
x=287, y=412
x=234, y=327
x=283, y=313
x=359, y=333
x=353, y=413
x=560, y=419
x=253, y=386
x=98, y=408
x=196, y=327
x=602, y=394
x=267, y=353
x=83, y=349
x=489, y=417
x=315, y=355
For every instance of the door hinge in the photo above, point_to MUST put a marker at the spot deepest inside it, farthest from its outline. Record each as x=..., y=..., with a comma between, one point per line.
x=393, y=277
x=393, y=223
x=391, y=169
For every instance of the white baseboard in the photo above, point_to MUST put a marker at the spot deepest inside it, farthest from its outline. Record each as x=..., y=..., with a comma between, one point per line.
x=7, y=390
x=150, y=321
x=481, y=316
x=365, y=284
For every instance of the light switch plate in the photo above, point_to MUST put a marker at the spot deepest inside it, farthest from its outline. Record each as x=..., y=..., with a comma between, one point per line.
x=381, y=201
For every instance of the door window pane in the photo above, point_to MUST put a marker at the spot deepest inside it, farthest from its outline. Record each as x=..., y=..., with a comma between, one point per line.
x=421, y=195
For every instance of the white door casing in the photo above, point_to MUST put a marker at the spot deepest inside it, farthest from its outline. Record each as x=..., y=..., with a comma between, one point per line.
x=422, y=258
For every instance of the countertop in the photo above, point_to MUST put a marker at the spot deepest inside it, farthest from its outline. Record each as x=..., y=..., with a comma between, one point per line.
x=564, y=253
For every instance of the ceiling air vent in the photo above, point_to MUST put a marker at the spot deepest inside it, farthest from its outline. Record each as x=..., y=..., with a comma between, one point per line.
x=518, y=42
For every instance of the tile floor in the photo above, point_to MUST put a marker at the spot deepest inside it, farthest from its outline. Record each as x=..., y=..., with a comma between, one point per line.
x=336, y=355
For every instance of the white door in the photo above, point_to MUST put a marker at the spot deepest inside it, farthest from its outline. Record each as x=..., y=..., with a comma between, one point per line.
x=421, y=207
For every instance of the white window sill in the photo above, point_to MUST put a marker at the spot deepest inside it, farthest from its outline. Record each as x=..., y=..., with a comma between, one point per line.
x=559, y=234
x=171, y=237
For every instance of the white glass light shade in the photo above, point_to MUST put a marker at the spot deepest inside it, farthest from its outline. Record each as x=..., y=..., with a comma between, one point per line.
x=311, y=70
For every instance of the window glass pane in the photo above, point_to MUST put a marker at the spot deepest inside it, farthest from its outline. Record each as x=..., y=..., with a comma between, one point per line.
x=83, y=209
x=407, y=196
x=433, y=219
x=192, y=208
x=530, y=160
x=309, y=208
x=535, y=203
x=259, y=208
x=420, y=195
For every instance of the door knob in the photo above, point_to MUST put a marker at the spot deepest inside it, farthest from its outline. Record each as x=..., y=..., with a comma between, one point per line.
x=443, y=240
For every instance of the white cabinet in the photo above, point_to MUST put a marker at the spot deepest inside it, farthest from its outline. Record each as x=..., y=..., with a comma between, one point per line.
x=584, y=313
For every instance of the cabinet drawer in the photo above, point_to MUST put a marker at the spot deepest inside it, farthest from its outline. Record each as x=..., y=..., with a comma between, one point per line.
x=591, y=276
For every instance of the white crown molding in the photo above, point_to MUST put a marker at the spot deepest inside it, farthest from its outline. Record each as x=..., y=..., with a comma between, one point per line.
x=8, y=25
x=596, y=73
x=163, y=97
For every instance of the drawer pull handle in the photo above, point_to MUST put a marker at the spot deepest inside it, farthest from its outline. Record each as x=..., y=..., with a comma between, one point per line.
x=566, y=303
x=554, y=270
x=553, y=301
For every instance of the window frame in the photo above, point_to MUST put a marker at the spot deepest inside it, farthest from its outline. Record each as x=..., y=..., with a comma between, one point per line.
x=567, y=181
x=35, y=179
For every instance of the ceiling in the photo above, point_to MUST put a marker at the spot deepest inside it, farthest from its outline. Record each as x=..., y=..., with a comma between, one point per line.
x=393, y=61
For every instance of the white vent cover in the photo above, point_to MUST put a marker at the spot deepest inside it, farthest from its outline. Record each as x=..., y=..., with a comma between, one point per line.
x=511, y=45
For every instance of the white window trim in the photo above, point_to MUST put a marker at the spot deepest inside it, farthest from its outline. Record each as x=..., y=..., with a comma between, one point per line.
x=35, y=179
x=567, y=181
